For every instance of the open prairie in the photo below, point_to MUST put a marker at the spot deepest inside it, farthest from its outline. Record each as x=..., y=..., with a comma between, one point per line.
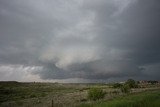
x=79, y=53
x=16, y=94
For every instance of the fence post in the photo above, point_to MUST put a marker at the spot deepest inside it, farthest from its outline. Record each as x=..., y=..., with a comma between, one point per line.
x=52, y=103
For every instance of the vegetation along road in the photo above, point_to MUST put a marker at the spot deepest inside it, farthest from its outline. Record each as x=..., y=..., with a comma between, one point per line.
x=128, y=94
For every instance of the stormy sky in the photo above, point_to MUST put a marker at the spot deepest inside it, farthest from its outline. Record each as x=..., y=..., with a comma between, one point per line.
x=79, y=40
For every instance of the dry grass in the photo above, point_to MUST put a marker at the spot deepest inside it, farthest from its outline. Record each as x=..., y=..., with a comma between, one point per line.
x=42, y=94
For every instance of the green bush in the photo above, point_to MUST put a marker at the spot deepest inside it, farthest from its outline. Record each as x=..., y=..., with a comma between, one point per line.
x=131, y=83
x=95, y=94
x=32, y=95
x=117, y=85
x=125, y=88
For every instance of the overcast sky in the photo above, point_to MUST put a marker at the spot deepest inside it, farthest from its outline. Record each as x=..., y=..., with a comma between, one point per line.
x=79, y=40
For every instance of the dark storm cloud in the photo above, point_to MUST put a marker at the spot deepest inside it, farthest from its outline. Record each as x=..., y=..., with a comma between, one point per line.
x=90, y=39
x=140, y=32
x=22, y=33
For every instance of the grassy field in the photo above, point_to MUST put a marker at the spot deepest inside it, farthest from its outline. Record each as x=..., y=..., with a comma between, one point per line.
x=144, y=99
x=15, y=94
x=41, y=94
x=16, y=91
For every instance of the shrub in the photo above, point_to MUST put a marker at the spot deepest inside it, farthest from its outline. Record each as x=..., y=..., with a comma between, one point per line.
x=125, y=88
x=131, y=83
x=95, y=94
x=117, y=85
x=32, y=95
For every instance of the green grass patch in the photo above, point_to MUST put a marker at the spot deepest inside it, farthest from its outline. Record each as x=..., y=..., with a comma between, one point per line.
x=145, y=99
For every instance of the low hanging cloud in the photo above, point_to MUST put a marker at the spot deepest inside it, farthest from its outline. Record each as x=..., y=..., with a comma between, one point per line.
x=79, y=40
x=7, y=73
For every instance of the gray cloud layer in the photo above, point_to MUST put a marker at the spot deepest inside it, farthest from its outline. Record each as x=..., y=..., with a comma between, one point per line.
x=88, y=39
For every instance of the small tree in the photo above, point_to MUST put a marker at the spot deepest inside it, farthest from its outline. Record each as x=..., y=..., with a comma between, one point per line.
x=95, y=94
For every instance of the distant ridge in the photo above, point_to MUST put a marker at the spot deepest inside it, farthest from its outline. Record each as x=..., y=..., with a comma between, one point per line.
x=9, y=82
